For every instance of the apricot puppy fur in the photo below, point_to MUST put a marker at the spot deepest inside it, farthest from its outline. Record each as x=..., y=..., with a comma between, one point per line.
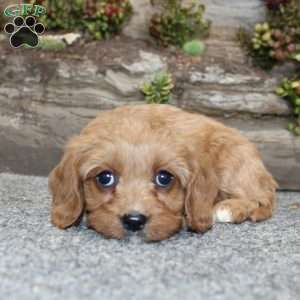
x=153, y=168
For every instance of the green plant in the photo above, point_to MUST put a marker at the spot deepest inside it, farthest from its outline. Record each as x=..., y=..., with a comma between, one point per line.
x=47, y=43
x=274, y=41
x=261, y=42
x=159, y=89
x=290, y=90
x=283, y=13
x=100, y=18
x=194, y=47
x=177, y=23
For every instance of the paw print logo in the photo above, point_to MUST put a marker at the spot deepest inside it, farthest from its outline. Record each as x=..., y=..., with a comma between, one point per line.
x=24, y=32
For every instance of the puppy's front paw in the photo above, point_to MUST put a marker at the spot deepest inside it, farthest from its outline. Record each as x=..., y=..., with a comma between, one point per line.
x=223, y=215
x=230, y=212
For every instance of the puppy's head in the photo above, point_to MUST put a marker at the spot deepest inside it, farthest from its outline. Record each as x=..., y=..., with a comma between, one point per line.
x=133, y=181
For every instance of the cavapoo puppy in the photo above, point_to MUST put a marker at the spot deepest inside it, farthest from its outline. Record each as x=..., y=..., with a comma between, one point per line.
x=153, y=168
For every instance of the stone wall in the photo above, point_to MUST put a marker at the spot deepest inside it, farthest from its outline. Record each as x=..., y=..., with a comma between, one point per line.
x=47, y=97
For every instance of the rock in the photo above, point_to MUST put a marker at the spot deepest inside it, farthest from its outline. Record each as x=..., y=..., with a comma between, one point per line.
x=235, y=13
x=137, y=28
x=122, y=83
x=215, y=74
x=216, y=101
x=148, y=64
x=68, y=38
x=71, y=38
x=58, y=41
x=217, y=91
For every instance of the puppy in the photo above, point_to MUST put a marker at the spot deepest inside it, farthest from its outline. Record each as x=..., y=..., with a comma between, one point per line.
x=153, y=168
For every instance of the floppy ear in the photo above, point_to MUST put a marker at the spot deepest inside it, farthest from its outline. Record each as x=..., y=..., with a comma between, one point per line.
x=200, y=197
x=66, y=189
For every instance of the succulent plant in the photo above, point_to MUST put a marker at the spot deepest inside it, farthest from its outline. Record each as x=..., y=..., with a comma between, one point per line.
x=194, y=47
x=290, y=90
x=259, y=47
x=178, y=23
x=276, y=39
x=46, y=43
x=159, y=89
x=262, y=36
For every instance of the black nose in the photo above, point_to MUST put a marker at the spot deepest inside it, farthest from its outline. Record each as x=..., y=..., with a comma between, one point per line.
x=134, y=221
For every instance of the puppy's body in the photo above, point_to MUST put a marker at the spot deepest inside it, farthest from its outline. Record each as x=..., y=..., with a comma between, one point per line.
x=217, y=173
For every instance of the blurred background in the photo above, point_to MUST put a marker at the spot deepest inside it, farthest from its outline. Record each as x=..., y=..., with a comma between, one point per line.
x=236, y=61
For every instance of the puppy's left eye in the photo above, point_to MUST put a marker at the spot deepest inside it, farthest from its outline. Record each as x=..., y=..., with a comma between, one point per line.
x=106, y=179
x=163, y=178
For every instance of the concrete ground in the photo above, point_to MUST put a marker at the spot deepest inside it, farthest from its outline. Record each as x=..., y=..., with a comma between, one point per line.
x=38, y=261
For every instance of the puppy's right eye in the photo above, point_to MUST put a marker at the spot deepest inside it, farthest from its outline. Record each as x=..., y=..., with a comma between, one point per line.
x=106, y=179
x=163, y=178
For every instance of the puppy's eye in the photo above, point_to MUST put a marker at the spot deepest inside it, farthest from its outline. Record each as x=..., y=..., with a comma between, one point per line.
x=106, y=179
x=163, y=178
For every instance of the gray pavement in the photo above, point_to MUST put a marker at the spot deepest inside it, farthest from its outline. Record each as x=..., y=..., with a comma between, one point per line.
x=38, y=261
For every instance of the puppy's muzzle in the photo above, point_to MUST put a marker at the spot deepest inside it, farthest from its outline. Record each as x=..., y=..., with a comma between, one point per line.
x=134, y=221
